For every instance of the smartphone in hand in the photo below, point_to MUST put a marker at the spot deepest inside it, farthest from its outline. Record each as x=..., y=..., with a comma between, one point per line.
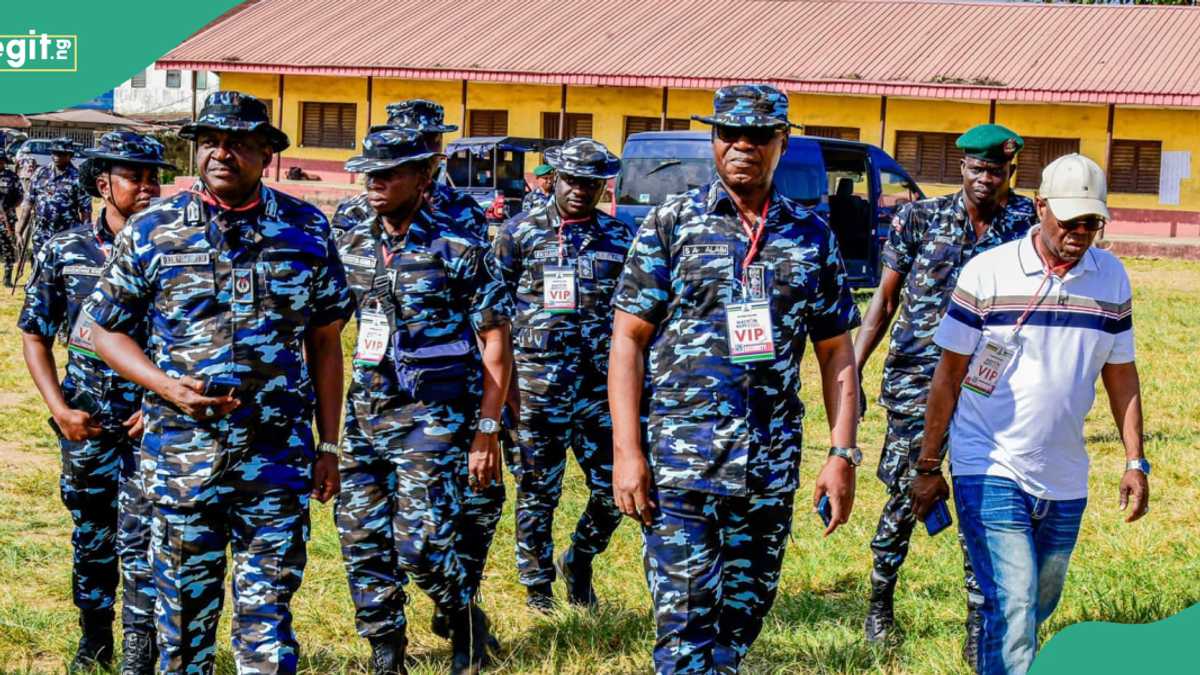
x=938, y=518
x=220, y=385
x=824, y=510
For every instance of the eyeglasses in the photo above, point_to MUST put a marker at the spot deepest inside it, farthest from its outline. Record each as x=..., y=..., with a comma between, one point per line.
x=756, y=135
x=1089, y=223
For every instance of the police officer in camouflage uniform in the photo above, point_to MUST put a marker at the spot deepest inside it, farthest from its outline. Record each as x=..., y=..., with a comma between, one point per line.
x=58, y=200
x=724, y=284
x=97, y=412
x=423, y=404
x=10, y=196
x=561, y=263
x=928, y=245
x=543, y=185
x=245, y=296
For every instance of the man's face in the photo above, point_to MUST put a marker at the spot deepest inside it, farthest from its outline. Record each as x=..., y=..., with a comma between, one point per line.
x=61, y=159
x=231, y=163
x=1067, y=239
x=576, y=196
x=129, y=187
x=545, y=182
x=985, y=183
x=746, y=157
x=396, y=191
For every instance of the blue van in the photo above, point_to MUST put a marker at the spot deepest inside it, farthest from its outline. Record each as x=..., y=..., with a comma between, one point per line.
x=855, y=187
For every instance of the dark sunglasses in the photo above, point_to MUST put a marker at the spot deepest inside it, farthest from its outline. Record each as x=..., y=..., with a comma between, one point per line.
x=1088, y=224
x=756, y=135
x=582, y=181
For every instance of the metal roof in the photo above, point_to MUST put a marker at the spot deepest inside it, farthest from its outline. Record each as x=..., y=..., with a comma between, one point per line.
x=1032, y=52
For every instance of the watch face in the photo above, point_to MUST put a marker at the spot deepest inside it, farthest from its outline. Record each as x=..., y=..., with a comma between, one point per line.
x=488, y=426
x=856, y=454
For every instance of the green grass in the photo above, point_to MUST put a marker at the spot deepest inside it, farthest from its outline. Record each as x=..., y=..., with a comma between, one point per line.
x=1124, y=573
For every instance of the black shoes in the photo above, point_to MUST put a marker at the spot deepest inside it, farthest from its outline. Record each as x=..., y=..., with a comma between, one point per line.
x=576, y=573
x=540, y=598
x=387, y=654
x=96, y=644
x=469, y=633
x=881, y=619
x=138, y=654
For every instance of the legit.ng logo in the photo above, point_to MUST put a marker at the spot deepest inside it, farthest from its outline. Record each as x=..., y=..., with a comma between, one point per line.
x=35, y=52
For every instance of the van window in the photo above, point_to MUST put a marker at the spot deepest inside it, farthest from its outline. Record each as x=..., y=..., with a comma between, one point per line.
x=896, y=190
x=648, y=181
x=458, y=166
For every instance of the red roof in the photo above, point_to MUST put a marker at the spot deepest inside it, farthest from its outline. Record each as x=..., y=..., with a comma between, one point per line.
x=965, y=50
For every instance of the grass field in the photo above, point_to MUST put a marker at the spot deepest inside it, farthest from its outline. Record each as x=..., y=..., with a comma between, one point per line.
x=1123, y=573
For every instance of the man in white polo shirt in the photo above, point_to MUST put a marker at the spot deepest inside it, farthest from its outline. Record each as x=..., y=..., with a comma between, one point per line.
x=1030, y=326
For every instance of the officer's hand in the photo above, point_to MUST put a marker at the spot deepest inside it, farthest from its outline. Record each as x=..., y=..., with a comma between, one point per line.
x=837, y=482
x=631, y=487
x=77, y=425
x=187, y=395
x=1134, y=483
x=926, y=491
x=133, y=425
x=327, y=482
x=483, y=464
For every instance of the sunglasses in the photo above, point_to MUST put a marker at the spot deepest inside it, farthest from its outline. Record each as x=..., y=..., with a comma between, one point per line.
x=756, y=135
x=1089, y=224
x=581, y=181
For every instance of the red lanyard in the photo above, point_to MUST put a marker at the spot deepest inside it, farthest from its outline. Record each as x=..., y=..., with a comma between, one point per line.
x=1037, y=295
x=562, y=222
x=212, y=200
x=755, y=236
x=104, y=246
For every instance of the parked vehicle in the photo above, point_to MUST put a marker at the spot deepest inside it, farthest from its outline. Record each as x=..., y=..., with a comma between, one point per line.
x=38, y=149
x=489, y=166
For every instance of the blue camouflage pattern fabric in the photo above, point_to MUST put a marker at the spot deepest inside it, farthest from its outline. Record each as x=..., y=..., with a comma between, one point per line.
x=748, y=105
x=227, y=293
x=405, y=508
x=11, y=194
x=99, y=484
x=724, y=438
x=534, y=199
x=458, y=206
x=561, y=366
x=59, y=202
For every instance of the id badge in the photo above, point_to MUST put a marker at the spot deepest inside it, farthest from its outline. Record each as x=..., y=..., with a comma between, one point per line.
x=987, y=366
x=558, y=289
x=82, y=334
x=751, y=335
x=243, y=290
x=374, y=336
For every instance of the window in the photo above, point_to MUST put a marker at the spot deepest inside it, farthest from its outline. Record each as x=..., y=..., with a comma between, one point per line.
x=844, y=133
x=578, y=124
x=1039, y=152
x=1133, y=166
x=488, y=123
x=138, y=81
x=929, y=156
x=173, y=79
x=327, y=125
x=636, y=125
x=201, y=79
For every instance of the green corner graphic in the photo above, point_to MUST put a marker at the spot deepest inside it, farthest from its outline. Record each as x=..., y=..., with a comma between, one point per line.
x=1098, y=648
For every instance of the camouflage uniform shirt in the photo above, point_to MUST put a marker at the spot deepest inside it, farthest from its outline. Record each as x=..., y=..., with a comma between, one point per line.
x=58, y=199
x=928, y=245
x=716, y=426
x=534, y=199
x=10, y=195
x=459, y=207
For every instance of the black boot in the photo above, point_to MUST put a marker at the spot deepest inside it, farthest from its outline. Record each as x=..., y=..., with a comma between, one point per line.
x=387, y=654
x=138, y=654
x=96, y=643
x=469, y=629
x=540, y=598
x=970, y=651
x=881, y=618
x=576, y=573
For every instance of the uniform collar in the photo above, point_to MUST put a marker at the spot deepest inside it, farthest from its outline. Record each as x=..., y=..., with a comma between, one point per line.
x=1031, y=262
x=265, y=202
x=719, y=201
x=100, y=229
x=420, y=230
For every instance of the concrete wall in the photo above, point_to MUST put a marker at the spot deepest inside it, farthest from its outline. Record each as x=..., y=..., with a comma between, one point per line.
x=157, y=99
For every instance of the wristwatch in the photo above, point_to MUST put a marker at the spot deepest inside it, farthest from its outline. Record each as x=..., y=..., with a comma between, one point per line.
x=1138, y=465
x=852, y=455
x=487, y=425
x=327, y=448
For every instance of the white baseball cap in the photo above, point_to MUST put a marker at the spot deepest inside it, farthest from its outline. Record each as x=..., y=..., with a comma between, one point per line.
x=1074, y=186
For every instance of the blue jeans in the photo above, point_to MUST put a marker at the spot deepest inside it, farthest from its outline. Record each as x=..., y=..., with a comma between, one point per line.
x=1020, y=546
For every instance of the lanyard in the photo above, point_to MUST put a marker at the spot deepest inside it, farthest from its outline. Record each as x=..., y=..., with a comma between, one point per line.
x=212, y=200
x=104, y=246
x=755, y=234
x=562, y=222
x=1038, y=297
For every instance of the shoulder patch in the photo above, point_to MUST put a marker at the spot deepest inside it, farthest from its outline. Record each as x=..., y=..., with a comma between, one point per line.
x=705, y=249
x=185, y=259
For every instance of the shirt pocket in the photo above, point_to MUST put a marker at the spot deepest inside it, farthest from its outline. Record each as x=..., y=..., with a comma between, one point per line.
x=185, y=289
x=421, y=289
x=703, y=283
x=286, y=280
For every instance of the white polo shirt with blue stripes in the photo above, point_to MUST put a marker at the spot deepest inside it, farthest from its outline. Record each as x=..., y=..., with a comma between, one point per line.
x=1030, y=428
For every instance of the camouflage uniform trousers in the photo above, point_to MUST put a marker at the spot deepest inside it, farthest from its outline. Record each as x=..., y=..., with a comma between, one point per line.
x=713, y=565
x=405, y=510
x=267, y=531
x=548, y=427
x=890, y=544
x=99, y=486
x=8, y=239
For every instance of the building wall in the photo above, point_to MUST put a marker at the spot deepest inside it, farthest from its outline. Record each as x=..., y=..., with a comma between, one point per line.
x=158, y=99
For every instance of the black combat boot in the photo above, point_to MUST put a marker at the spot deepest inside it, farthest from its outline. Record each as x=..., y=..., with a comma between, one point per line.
x=96, y=643
x=469, y=629
x=388, y=652
x=138, y=654
x=880, y=615
x=576, y=572
x=540, y=598
x=970, y=651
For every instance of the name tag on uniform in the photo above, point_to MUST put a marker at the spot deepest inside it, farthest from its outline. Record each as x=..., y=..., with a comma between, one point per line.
x=558, y=289
x=373, y=337
x=359, y=261
x=609, y=257
x=243, y=290
x=82, y=336
x=751, y=335
x=82, y=270
x=584, y=263
x=987, y=366
x=184, y=259
x=544, y=253
x=705, y=249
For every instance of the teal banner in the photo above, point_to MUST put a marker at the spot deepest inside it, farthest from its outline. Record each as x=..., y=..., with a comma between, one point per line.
x=62, y=53
x=1101, y=648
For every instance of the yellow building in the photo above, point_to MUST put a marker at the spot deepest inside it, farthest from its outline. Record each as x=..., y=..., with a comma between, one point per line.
x=1127, y=97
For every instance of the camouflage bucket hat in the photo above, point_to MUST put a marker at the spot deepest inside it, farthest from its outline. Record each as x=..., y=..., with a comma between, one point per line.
x=419, y=114
x=748, y=105
x=63, y=144
x=120, y=147
x=235, y=111
x=387, y=148
x=583, y=157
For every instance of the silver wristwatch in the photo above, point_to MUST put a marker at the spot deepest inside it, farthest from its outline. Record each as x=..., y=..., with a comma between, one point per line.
x=487, y=425
x=852, y=455
x=1138, y=465
x=327, y=448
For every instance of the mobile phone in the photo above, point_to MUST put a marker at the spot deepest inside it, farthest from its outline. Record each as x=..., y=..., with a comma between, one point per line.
x=56, y=429
x=938, y=518
x=220, y=385
x=824, y=510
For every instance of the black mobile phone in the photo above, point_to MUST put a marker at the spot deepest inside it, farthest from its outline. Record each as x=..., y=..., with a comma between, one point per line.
x=220, y=385
x=56, y=429
x=825, y=510
x=938, y=518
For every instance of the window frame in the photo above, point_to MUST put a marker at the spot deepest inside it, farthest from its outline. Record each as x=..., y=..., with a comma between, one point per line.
x=320, y=136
